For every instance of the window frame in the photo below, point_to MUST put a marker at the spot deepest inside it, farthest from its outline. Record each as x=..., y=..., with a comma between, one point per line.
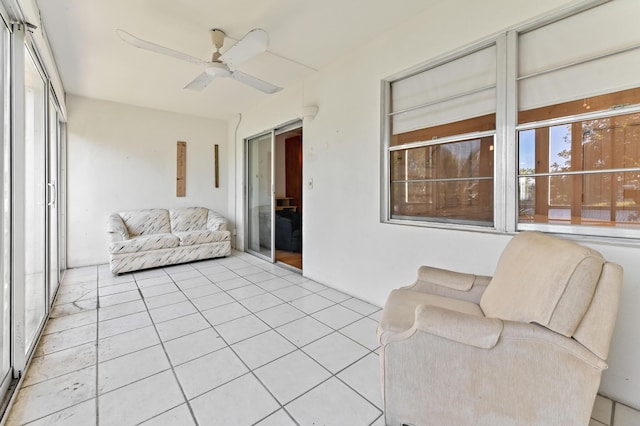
x=506, y=157
x=499, y=41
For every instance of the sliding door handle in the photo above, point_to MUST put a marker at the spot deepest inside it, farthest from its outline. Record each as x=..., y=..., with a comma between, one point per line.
x=54, y=198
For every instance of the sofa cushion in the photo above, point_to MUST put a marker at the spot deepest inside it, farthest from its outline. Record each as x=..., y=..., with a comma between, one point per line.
x=144, y=243
x=189, y=238
x=543, y=279
x=216, y=222
x=146, y=222
x=188, y=219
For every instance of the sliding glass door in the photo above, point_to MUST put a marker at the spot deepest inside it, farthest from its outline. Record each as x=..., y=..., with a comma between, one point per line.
x=5, y=215
x=30, y=169
x=35, y=208
x=260, y=193
x=52, y=200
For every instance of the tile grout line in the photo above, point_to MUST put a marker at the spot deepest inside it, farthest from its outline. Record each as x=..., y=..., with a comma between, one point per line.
x=300, y=348
x=171, y=366
x=253, y=313
x=335, y=375
x=249, y=369
x=50, y=378
x=97, y=346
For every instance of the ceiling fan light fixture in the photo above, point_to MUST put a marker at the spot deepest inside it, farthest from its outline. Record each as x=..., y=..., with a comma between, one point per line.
x=217, y=70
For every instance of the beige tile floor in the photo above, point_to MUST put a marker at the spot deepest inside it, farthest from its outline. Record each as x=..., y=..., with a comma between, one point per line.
x=233, y=341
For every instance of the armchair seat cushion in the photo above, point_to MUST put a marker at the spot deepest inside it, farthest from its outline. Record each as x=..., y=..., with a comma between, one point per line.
x=144, y=243
x=399, y=311
x=189, y=238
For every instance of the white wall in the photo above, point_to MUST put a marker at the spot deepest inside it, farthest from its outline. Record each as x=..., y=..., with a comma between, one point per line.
x=122, y=157
x=345, y=245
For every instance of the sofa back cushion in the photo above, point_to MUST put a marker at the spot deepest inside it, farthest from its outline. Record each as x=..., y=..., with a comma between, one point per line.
x=146, y=222
x=543, y=279
x=189, y=219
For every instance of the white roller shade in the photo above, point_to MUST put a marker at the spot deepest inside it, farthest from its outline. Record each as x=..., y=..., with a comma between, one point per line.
x=604, y=30
x=454, y=91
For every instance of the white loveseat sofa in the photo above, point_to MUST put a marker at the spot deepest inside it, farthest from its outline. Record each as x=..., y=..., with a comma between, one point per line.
x=149, y=238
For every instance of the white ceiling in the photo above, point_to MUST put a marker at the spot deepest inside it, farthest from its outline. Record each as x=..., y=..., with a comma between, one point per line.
x=94, y=62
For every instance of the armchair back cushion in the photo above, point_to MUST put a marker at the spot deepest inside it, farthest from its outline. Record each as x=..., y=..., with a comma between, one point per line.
x=596, y=329
x=545, y=280
x=146, y=222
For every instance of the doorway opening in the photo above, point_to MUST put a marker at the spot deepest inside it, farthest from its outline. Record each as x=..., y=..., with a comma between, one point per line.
x=288, y=198
x=274, y=195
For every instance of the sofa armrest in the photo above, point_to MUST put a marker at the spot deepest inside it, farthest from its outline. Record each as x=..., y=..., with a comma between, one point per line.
x=116, y=228
x=217, y=222
x=446, y=283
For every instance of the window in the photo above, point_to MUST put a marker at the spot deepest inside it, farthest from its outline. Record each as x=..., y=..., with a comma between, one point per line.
x=578, y=124
x=440, y=150
x=538, y=129
x=449, y=181
x=584, y=172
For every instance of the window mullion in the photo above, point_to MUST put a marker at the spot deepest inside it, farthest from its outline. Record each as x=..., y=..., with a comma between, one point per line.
x=505, y=188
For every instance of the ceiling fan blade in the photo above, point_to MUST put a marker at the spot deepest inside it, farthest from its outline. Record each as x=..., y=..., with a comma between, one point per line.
x=147, y=45
x=200, y=82
x=255, y=42
x=256, y=83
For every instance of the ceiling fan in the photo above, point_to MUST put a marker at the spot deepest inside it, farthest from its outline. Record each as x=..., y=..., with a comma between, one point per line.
x=253, y=43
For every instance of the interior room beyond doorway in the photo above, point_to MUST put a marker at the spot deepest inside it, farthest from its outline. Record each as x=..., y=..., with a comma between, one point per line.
x=288, y=198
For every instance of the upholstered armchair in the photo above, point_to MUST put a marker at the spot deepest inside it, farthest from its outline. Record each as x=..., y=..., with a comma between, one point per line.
x=524, y=347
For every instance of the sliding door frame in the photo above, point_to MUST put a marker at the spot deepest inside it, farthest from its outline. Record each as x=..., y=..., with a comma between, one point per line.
x=286, y=127
x=248, y=192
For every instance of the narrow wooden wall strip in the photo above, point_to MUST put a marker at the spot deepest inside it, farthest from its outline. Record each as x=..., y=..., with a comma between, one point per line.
x=216, y=164
x=181, y=175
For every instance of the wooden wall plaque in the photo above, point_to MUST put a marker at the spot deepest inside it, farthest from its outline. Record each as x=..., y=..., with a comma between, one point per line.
x=216, y=165
x=181, y=173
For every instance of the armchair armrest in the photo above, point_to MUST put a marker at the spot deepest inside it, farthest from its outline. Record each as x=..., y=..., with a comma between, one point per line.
x=471, y=330
x=491, y=333
x=456, y=285
x=116, y=228
x=217, y=222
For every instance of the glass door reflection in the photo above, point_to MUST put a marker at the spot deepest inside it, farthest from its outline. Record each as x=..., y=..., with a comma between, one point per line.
x=35, y=204
x=260, y=196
